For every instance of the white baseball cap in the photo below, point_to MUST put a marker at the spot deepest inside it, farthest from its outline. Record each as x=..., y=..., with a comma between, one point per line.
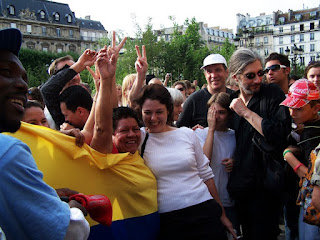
x=214, y=59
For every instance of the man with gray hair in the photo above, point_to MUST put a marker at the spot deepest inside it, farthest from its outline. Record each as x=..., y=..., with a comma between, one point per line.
x=257, y=115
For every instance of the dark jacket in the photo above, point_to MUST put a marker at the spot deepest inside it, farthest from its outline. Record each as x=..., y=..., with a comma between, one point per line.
x=195, y=109
x=248, y=168
x=51, y=91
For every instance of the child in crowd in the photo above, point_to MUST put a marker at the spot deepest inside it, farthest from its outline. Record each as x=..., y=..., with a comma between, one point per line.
x=312, y=72
x=304, y=104
x=219, y=144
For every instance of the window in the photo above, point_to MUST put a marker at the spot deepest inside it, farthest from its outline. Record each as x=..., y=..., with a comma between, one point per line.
x=257, y=41
x=71, y=33
x=312, y=26
x=281, y=20
x=301, y=37
x=12, y=10
x=298, y=17
x=265, y=40
x=266, y=52
x=313, y=14
x=29, y=29
x=301, y=60
x=281, y=29
x=292, y=38
x=69, y=18
x=280, y=40
x=311, y=36
x=312, y=58
x=13, y=25
x=311, y=47
x=302, y=47
x=56, y=16
x=268, y=21
x=42, y=15
x=292, y=28
x=45, y=49
x=44, y=31
x=267, y=29
x=281, y=50
x=301, y=27
x=58, y=31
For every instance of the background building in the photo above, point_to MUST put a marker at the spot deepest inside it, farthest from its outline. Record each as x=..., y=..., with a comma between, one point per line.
x=49, y=26
x=211, y=36
x=294, y=33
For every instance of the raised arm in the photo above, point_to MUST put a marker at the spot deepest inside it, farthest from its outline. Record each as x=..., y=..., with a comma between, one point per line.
x=102, y=134
x=141, y=68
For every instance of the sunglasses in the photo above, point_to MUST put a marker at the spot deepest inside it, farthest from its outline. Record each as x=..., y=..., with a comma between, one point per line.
x=252, y=75
x=180, y=89
x=275, y=67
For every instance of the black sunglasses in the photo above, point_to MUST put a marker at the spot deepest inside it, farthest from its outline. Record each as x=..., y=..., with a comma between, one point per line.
x=180, y=89
x=275, y=67
x=252, y=75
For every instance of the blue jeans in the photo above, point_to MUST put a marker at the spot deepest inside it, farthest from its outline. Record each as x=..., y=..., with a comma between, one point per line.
x=307, y=231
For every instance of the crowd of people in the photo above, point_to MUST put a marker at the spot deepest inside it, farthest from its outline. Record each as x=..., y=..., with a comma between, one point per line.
x=202, y=161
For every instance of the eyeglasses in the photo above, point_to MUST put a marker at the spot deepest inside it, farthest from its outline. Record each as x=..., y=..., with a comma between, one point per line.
x=180, y=89
x=275, y=67
x=252, y=75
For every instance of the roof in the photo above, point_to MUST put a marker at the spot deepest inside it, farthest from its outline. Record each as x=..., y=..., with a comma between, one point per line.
x=90, y=24
x=40, y=10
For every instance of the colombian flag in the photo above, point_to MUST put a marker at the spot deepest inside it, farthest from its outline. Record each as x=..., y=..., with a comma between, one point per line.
x=123, y=178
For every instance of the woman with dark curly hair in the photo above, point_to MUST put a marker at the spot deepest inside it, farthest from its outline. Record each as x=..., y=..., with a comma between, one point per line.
x=188, y=201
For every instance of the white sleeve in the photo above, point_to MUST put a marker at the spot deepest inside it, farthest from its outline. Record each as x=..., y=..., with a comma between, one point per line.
x=203, y=162
x=2, y=235
x=79, y=227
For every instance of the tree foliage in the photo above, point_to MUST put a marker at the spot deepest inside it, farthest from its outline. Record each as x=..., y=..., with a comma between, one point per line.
x=182, y=56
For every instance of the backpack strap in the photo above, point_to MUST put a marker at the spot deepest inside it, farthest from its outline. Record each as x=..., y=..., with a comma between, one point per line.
x=144, y=144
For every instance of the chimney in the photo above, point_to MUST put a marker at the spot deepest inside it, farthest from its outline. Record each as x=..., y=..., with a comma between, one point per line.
x=87, y=17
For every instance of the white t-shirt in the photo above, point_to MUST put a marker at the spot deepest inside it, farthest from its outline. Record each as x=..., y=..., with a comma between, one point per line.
x=180, y=167
x=224, y=145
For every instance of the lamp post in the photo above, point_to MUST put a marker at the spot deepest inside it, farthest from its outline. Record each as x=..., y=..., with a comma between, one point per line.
x=296, y=52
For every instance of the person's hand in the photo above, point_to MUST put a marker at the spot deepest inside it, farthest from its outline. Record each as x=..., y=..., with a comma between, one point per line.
x=239, y=107
x=197, y=126
x=141, y=64
x=87, y=58
x=228, y=164
x=66, y=192
x=115, y=49
x=66, y=126
x=96, y=77
x=212, y=118
x=75, y=132
x=226, y=222
x=75, y=204
x=106, y=65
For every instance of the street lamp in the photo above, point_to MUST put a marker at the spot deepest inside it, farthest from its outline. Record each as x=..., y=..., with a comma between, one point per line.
x=295, y=53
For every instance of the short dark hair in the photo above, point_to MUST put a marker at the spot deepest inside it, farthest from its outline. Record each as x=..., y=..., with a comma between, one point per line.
x=35, y=94
x=283, y=59
x=53, y=66
x=312, y=64
x=123, y=113
x=181, y=82
x=222, y=98
x=33, y=103
x=156, y=92
x=76, y=96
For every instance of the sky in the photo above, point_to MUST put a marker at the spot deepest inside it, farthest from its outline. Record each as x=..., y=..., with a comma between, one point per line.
x=118, y=15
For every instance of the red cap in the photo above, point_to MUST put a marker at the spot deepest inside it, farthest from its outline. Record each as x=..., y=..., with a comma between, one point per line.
x=301, y=93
